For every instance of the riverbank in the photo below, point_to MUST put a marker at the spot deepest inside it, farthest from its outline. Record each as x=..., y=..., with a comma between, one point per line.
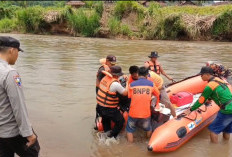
x=129, y=20
x=59, y=74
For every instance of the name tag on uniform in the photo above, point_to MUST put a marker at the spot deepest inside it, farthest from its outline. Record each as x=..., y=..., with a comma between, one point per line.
x=141, y=91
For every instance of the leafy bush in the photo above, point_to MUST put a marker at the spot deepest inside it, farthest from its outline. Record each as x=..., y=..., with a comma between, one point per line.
x=31, y=19
x=222, y=26
x=169, y=28
x=153, y=7
x=114, y=25
x=84, y=24
x=125, y=30
x=7, y=25
x=125, y=7
x=99, y=8
x=7, y=11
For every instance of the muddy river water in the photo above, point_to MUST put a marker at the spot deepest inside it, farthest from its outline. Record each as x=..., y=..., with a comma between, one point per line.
x=58, y=75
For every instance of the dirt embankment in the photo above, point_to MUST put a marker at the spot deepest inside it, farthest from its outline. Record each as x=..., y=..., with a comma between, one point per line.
x=128, y=20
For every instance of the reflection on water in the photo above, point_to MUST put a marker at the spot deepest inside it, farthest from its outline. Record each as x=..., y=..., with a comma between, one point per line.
x=58, y=74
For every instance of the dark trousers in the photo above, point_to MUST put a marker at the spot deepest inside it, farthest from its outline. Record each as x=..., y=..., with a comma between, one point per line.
x=9, y=146
x=108, y=115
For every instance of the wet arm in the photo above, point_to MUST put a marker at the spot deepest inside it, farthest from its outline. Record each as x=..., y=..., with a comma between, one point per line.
x=163, y=72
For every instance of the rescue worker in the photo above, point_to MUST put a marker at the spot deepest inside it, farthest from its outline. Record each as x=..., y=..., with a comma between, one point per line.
x=110, y=61
x=107, y=62
x=155, y=66
x=141, y=92
x=134, y=73
x=218, y=91
x=219, y=69
x=108, y=101
x=164, y=98
x=159, y=83
x=16, y=133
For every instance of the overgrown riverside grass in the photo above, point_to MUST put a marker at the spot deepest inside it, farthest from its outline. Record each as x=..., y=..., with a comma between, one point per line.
x=222, y=27
x=195, y=10
x=125, y=7
x=117, y=28
x=7, y=25
x=84, y=23
x=153, y=22
x=31, y=19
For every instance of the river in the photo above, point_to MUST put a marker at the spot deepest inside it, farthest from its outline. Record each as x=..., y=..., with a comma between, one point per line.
x=58, y=74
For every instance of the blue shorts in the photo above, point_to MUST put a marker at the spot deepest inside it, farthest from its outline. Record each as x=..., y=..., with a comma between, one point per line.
x=222, y=123
x=144, y=123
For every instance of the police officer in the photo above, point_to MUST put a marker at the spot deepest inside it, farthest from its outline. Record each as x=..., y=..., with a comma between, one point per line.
x=16, y=133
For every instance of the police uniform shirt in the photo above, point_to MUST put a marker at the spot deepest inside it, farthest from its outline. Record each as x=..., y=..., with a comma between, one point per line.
x=13, y=113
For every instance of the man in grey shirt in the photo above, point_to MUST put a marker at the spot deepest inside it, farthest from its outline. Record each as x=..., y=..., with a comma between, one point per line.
x=16, y=133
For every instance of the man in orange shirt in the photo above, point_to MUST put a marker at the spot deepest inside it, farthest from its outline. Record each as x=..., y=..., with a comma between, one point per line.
x=141, y=92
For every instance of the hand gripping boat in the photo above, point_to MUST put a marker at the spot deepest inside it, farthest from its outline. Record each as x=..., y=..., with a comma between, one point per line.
x=192, y=84
x=177, y=131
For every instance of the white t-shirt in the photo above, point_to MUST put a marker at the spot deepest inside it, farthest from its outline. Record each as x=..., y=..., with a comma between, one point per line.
x=117, y=87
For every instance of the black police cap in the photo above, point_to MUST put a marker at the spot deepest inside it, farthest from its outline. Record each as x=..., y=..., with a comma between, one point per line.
x=10, y=42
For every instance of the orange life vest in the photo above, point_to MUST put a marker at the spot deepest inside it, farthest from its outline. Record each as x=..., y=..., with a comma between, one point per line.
x=106, y=98
x=153, y=67
x=106, y=68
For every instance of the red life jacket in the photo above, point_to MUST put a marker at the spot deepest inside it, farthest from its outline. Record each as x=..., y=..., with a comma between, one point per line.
x=105, y=97
x=153, y=67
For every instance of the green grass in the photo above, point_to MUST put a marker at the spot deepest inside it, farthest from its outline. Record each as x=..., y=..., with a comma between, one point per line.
x=154, y=22
x=84, y=23
x=7, y=25
x=30, y=19
x=114, y=25
x=222, y=26
x=194, y=10
x=125, y=7
x=7, y=11
x=125, y=30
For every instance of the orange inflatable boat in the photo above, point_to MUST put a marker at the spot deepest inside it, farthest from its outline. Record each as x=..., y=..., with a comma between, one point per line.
x=195, y=83
x=177, y=131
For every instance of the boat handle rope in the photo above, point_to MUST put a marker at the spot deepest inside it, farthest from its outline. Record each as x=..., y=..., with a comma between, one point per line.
x=184, y=115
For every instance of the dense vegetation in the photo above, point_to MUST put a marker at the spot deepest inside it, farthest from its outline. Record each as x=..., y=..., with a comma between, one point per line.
x=126, y=19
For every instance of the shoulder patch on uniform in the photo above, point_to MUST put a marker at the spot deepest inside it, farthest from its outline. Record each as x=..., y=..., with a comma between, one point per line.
x=18, y=81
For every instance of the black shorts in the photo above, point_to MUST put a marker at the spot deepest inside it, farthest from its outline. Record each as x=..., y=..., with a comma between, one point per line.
x=10, y=146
